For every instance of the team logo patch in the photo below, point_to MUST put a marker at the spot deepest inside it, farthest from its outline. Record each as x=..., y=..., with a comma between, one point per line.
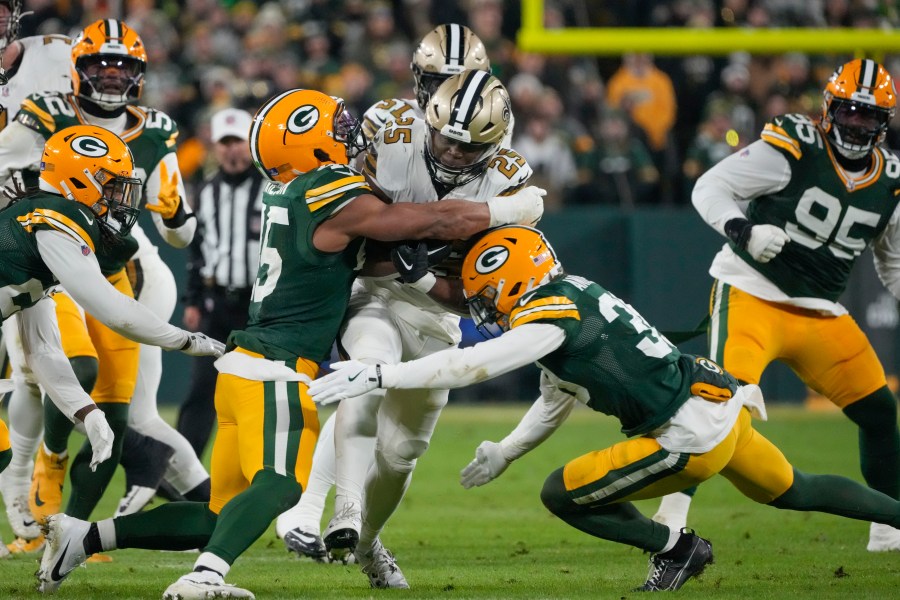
x=491, y=259
x=88, y=145
x=303, y=119
x=709, y=365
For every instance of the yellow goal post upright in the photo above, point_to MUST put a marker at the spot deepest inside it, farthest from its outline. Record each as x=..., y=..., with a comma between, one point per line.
x=613, y=41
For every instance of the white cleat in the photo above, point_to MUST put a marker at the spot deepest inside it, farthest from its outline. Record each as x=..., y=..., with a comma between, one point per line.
x=200, y=585
x=64, y=551
x=379, y=564
x=20, y=519
x=883, y=538
x=342, y=533
x=134, y=500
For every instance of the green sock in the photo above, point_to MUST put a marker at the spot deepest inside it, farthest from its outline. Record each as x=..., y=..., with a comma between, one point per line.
x=88, y=486
x=838, y=496
x=879, y=440
x=620, y=522
x=247, y=516
x=57, y=426
x=172, y=526
x=5, y=457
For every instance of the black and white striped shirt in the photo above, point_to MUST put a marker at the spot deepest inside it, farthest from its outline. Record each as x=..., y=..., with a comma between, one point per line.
x=226, y=247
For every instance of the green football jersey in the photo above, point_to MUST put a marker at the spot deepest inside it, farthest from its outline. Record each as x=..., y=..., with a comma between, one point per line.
x=301, y=294
x=150, y=134
x=23, y=275
x=627, y=367
x=831, y=217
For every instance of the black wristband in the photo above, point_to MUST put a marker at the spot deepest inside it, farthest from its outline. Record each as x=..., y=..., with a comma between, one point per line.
x=187, y=343
x=378, y=374
x=738, y=231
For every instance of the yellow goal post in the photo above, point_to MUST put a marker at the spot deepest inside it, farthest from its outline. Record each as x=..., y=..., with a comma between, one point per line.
x=534, y=37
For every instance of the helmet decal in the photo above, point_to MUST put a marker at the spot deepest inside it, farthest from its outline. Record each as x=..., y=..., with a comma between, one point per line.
x=303, y=119
x=90, y=146
x=491, y=259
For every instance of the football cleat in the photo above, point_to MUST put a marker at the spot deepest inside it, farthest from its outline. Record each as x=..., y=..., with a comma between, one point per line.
x=64, y=551
x=200, y=585
x=45, y=497
x=883, y=538
x=342, y=533
x=671, y=570
x=23, y=546
x=20, y=519
x=379, y=564
x=305, y=544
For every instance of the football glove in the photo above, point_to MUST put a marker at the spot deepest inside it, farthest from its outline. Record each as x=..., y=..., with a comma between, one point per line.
x=168, y=197
x=350, y=378
x=413, y=259
x=100, y=435
x=488, y=464
x=762, y=242
x=200, y=344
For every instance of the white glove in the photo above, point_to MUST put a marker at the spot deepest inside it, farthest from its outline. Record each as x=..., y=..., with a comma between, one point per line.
x=100, y=436
x=766, y=241
x=350, y=378
x=525, y=207
x=200, y=344
x=488, y=464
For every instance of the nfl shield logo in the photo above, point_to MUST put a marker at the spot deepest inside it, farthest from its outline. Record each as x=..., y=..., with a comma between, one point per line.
x=85, y=250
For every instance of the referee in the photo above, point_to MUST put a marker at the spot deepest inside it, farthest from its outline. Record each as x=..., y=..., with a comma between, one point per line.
x=225, y=256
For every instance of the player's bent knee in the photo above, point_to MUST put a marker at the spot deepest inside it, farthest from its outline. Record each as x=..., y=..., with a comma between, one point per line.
x=876, y=411
x=401, y=458
x=555, y=496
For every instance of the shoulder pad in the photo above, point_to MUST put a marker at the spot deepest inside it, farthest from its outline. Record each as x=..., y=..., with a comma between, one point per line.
x=330, y=183
x=386, y=110
x=43, y=111
x=543, y=304
x=509, y=170
x=792, y=133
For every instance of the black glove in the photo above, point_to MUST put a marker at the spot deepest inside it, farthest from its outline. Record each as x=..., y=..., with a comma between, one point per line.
x=412, y=259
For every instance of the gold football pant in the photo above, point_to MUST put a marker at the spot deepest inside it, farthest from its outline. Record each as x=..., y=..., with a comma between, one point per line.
x=83, y=335
x=831, y=355
x=640, y=468
x=263, y=425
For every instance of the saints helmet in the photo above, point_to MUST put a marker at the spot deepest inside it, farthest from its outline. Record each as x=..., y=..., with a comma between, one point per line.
x=301, y=130
x=103, y=45
x=93, y=166
x=9, y=25
x=472, y=111
x=444, y=51
x=860, y=101
x=502, y=265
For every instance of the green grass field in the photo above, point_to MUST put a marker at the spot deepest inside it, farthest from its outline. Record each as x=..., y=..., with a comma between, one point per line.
x=499, y=542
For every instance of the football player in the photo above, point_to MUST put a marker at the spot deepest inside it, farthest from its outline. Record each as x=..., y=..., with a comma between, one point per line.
x=454, y=153
x=107, y=63
x=446, y=50
x=687, y=418
x=86, y=203
x=821, y=192
x=318, y=212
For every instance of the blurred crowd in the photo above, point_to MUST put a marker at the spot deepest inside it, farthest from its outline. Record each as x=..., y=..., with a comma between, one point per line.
x=625, y=131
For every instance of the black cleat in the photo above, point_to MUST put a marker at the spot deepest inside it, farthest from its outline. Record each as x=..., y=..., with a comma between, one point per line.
x=671, y=570
x=305, y=544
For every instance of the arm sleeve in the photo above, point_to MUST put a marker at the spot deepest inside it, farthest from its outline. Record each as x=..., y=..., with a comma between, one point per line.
x=459, y=367
x=178, y=236
x=758, y=169
x=886, y=254
x=20, y=149
x=81, y=278
x=44, y=354
x=544, y=417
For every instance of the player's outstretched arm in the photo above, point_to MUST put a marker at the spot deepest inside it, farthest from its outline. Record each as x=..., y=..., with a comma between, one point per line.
x=80, y=275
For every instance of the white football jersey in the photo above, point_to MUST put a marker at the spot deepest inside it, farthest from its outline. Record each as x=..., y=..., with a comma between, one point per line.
x=395, y=162
x=44, y=65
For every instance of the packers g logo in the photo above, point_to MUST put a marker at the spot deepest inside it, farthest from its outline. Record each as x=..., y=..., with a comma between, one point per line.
x=491, y=259
x=303, y=119
x=709, y=365
x=87, y=145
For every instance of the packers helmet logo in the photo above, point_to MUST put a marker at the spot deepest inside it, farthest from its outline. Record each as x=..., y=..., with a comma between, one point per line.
x=491, y=259
x=87, y=145
x=709, y=365
x=303, y=119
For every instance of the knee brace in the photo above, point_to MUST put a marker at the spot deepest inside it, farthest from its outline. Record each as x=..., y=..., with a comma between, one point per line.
x=401, y=457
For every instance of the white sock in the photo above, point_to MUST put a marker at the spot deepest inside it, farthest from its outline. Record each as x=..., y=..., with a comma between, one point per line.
x=674, y=536
x=673, y=510
x=107, y=531
x=208, y=560
x=385, y=488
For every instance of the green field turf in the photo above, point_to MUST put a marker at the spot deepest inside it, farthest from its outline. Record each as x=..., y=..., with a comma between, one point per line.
x=499, y=542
